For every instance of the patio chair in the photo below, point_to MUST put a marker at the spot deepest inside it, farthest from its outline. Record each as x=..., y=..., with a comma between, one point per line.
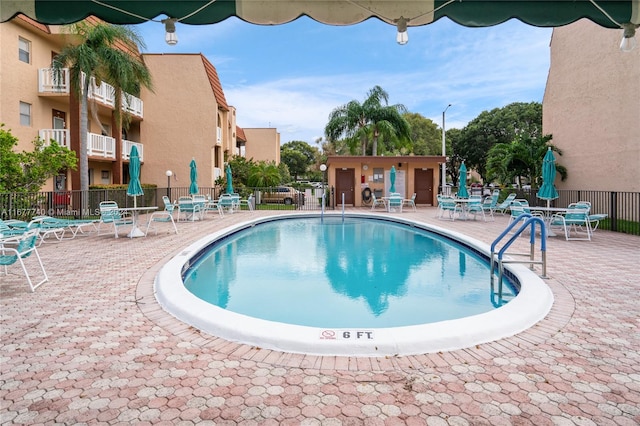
x=474, y=207
x=489, y=204
x=18, y=248
x=60, y=228
x=576, y=220
x=594, y=220
x=248, y=202
x=394, y=202
x=410, y=202
x=213, y=206
x=12, y=227
x=188, y=209
x=162, y=216
x=230, y=202
x=375, y=202
x=112, y=217
x=506, y=204
x=449, y=206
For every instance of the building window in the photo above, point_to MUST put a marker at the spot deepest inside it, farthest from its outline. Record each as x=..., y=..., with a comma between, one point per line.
x=25, y=114
x=378, y=175
x=24, y=50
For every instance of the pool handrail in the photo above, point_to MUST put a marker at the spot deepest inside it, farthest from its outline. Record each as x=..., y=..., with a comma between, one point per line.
x=529, y=220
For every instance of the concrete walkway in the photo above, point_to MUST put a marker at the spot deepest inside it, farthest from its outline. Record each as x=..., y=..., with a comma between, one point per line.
x=92, y=347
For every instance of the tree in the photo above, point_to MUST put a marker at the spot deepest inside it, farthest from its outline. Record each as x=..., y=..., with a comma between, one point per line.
x=522, y=157
x=370, y=120
x=426, y=137
x=264, y=175
x=106, y=52
x=298, y=156
x=500, y=125
x=29, y=170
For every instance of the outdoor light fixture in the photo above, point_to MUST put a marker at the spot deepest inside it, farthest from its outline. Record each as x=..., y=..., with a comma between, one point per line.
x=444, y=153
x=402, y=37
x=629, y=41
x=170, y=27
x=169, y=173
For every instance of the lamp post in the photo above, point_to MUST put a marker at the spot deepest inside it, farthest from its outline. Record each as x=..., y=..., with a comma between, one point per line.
x=444, y=151
x=323, y=169
x=169, y=173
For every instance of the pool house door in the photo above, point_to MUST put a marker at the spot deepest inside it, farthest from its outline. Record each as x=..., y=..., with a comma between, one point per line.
x=345, y=181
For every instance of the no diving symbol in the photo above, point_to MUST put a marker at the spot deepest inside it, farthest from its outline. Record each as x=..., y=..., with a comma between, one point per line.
x=328, y=335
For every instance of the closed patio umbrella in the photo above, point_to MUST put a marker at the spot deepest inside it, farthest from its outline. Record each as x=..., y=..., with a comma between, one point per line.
x=548, y=189
x=193, y=188
x=135, y=188
x=392, y=179
x=229, y=180
x=462, y=183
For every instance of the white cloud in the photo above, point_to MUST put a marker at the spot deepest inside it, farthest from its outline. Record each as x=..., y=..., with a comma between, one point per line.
x=292, y=76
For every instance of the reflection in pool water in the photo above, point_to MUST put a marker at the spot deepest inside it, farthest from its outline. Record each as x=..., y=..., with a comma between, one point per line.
x=354, y=274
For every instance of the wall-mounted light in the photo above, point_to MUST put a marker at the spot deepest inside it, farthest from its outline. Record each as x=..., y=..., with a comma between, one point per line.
x=629, y=41
x=170, y=31
x=402, y=37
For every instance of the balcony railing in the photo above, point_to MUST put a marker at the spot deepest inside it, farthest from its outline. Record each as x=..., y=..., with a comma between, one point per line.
x=61, y=136
x=126, y=149
x=48, y=82
x=99, y=145
x=219, y=136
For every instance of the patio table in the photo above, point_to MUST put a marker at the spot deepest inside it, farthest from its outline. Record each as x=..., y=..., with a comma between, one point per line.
x=135, y=231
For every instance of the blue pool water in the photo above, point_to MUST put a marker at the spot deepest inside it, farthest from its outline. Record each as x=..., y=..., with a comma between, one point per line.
x=360, y=273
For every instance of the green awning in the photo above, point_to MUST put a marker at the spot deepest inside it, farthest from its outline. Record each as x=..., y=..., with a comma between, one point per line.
x=470, y=13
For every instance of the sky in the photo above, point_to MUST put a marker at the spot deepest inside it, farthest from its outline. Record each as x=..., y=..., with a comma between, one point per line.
x=292, y=76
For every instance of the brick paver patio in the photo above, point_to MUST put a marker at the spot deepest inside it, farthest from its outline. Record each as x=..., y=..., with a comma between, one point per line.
x=92, y=347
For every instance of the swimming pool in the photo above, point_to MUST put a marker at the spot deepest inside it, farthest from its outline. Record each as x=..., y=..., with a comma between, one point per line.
x=353, y=337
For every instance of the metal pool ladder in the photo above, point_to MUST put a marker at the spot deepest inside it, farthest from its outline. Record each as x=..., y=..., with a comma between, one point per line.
x=497, y=257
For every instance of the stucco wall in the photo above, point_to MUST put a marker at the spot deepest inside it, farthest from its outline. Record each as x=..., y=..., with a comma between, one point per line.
x=180, y=120
x=263, y=144
x=591, y=107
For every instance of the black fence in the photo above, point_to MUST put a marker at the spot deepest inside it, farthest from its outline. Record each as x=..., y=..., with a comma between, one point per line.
x=622, y=208
x=83, y=205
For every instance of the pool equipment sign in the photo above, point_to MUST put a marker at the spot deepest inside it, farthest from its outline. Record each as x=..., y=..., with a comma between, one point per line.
x=346, y=335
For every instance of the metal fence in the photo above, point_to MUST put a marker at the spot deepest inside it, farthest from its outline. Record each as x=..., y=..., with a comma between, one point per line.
x=79, y=205
x=622, y=208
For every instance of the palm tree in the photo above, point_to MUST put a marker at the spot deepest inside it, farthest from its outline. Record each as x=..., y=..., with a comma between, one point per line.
x=107, y=53
x=374, y=117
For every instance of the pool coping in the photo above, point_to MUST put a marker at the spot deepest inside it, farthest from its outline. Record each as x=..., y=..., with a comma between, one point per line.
x=526, y=330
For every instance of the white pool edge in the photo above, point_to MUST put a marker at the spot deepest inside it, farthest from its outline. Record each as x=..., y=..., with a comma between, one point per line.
x=531, y=305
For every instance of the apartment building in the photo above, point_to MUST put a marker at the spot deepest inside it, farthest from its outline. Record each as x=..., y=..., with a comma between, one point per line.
x=184, y=116
x=591, y=106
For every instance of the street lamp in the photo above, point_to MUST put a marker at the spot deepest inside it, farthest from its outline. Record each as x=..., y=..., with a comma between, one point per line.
x=169, y=173
x=444, y=152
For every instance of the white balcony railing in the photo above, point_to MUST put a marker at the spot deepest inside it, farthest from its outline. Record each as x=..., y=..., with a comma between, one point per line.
x=61, y=136
x=101, y=146
x=126, y=149
x=48, y=82
x=219, y=136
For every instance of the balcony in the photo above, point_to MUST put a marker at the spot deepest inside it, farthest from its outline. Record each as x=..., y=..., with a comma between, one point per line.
x=50, y=84
x=98, y=145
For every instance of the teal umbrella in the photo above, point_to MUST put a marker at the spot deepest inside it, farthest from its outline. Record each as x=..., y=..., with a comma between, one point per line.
x=229, y=180
x=134, y=189
x=193, y=188
x=548, y=190
x=462, y=183
x=392, y=179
